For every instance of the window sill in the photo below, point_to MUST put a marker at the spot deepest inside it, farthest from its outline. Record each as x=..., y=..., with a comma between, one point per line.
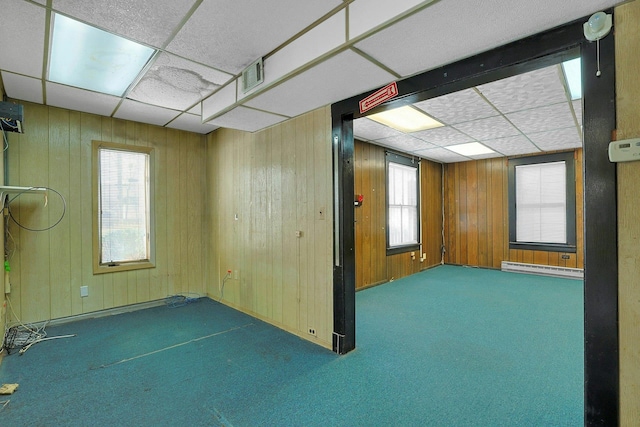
x=127, y=266
x=402, y=249
x=548, y=247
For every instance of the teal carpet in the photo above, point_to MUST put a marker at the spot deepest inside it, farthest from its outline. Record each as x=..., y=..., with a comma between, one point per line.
x=451, y=346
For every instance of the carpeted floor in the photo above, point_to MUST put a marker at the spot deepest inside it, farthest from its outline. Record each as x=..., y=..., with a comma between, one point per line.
x=451, y=346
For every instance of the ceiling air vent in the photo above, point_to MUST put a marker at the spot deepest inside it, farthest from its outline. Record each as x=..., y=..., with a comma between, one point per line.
x=252, y=76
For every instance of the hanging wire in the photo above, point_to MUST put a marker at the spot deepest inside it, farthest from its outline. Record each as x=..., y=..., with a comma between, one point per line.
x=64, y=209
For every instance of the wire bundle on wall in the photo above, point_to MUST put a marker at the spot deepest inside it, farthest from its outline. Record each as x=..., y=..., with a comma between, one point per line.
x=64, y=209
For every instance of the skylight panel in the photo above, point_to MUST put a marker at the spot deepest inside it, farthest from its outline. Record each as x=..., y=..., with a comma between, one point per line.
x=93, y=59
x=406, y=119
x=573, y=76
x=470, y=149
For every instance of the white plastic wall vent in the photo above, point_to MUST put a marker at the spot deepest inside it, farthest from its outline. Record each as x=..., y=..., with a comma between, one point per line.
x=252, y=76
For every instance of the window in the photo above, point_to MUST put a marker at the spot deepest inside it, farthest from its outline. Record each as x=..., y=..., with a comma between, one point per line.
x=542, y=203
x=403, y=215
x=123, y=206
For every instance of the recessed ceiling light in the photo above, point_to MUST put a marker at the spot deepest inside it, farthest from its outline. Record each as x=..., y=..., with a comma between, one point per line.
x=93, y=59
x=573, y=75
x=406, y=119
x=470, y=149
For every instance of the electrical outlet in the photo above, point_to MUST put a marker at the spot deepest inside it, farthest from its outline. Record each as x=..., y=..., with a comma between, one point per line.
x=312, y=332
x=84, y=291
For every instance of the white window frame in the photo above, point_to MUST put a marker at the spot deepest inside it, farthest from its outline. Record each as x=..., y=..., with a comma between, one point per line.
x=406, y=206
x=109, y=266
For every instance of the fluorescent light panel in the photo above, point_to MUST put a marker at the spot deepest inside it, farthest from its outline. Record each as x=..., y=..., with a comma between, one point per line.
x=406, y=119
x=573, y=75
x=93, y=59
x=470, y=149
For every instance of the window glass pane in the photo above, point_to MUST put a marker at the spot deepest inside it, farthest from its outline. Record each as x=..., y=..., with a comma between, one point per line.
x=395, y=225
x=403, y=200
x=541, y=203
x=124, y=206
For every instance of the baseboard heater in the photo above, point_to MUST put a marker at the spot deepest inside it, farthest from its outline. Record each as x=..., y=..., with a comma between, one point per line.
x=544, y=270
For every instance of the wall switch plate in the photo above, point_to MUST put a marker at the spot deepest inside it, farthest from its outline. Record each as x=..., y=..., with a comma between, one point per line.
x=84, y=291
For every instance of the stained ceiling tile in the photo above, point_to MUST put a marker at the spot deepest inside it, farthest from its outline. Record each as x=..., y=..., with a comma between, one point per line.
x=177, y=83
x=525, y=91
x=335, y=79
x=145, y=113
x=22, y=87
x=247, y=119
x=490, y=128
x=458, y=107
x=22, y=36
x=370, y=130
x=541, y=119
x=512, y=145
x=441, y=155
x=558, y=139
x=191, y=123
x=148, y=21
x=80, y=100
x=225, y=36
x=443, y=136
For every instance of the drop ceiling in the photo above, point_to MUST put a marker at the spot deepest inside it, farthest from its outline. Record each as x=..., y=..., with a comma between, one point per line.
x=524, y=114
x=315, y=53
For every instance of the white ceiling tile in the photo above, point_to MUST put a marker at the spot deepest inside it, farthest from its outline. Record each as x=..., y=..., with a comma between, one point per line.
x=80, y=100
x=365, y=15
x=146, y=21
x=247, y=119
x=335, y=79
x=229, y=37
x=318, y=41
x=443, y=32
x=558, y=139
x=219, y=100
x=458, y=107
x=512, y=146
x=490, y=128
x=177, y=83
x=442, y=155
x=525, y=91
x=191, y=123
x=443, y=136
x=541, y=119
x=405, y=143
x=22, y=87
x=22, y=37
x=370, y=130
x=144, y=113
x=197, y=109
x=577, y=107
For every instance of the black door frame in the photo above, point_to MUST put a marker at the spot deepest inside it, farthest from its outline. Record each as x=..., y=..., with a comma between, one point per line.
x=600, y=219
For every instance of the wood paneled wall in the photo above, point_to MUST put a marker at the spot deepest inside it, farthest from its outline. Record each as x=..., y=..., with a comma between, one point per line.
x=264, y=188
x=477, y=217
x=373, y=266
x=3, y=303
x=628, y=126
x=48, y=268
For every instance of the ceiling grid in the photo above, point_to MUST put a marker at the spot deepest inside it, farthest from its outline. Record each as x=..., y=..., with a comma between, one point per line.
x=315, y=53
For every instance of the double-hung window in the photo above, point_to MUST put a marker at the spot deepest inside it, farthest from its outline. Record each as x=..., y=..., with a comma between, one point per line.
x=542, y=203
x=403, y=202
x=123, y=238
